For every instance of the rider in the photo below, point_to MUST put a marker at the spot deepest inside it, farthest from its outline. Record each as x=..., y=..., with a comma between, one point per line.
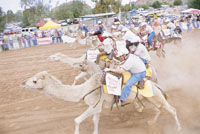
x=171, y=26
x=99, y=32
x=132, y=64
x=148, y=30
x=108, y=46
x=134, y=46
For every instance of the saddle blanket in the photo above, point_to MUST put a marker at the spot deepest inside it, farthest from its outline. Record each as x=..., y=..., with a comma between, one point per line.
x=104, y=58
x=166, y=32
x=148, y=90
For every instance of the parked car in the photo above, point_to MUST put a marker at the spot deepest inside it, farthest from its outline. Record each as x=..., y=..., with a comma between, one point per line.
x=63, y=23
x=75, y=21
x=69, y=21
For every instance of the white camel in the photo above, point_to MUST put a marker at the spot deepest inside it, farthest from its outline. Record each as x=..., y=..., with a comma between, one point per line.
x=92, y=96
x=66, y=59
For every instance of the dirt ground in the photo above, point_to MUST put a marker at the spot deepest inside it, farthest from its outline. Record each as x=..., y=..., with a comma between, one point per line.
x=24, y=111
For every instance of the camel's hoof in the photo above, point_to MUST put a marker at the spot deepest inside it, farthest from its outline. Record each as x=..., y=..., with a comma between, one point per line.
x=179, y=129
x=151, y=122
x=140, y=109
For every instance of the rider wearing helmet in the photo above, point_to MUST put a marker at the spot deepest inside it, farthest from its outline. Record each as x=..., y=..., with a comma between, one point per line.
x=148, y=30
x=108, y=46
x=132, y=64
x=99, y=31
x=171, y=26
x=134, y=46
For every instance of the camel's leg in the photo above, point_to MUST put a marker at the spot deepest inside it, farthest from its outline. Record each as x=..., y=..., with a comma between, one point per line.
x=82, y=74
x=96, y=118
x=159, y=101
x=172, y=110
x=138, y=106
x=155, y=117
x=90, y=111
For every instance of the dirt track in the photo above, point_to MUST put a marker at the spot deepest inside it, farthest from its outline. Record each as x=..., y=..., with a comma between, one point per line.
x=23, y=111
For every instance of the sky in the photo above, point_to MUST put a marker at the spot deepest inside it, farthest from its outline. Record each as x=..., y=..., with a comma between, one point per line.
x=14, y=5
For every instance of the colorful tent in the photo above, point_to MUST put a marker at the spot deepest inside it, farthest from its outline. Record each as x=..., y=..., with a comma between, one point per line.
x=41, y=23
x=50, y=24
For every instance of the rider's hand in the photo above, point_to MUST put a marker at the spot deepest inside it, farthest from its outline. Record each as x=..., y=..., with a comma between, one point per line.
x=107, y=69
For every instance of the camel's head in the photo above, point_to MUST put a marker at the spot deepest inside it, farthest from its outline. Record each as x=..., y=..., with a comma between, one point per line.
x=55, y=57
x=84, y=65
x=36, y=82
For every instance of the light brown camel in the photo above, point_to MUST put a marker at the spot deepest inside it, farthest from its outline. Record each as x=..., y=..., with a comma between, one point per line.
x=91, y=93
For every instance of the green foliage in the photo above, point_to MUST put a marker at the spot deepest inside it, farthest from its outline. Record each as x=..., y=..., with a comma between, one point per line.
x=10, y=16
x=18, y=16
x=103, y=6
x=177, y=2
x=194, y=4
x=2, y=20
x=156, y=4
x=70, y=10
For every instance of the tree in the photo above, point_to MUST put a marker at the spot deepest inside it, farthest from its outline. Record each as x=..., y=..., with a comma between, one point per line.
x=35, y=10
x=18, y=16
x=194, y=4
x=2, y=20
x=156, y=4
x=10, y=16
x=177, y=2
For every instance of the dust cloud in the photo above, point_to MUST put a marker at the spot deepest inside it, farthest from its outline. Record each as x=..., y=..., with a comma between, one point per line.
x=179, y=75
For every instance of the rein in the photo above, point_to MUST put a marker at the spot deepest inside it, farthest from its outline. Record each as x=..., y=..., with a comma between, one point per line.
x=92, y=92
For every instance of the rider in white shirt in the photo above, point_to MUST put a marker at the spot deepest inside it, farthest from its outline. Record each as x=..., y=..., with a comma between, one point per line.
x=134, y=46
x=149, y=30
x=171, y=26
x=132, y=64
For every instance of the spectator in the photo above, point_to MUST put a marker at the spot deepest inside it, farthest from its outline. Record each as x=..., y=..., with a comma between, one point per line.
x=10, y=40
x=24, y=40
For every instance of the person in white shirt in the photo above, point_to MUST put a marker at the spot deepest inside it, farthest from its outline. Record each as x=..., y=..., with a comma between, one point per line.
x=148, y=30
x=108, y=46
x=171, y=26
x=134, y=46
x=132, y=64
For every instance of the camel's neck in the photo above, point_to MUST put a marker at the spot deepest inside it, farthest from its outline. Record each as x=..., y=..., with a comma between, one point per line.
x=70, y=93
x=64, y=59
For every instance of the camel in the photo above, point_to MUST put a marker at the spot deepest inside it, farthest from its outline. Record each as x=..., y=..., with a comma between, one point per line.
x=66, y=59
x=176, y=40
x=93, y=97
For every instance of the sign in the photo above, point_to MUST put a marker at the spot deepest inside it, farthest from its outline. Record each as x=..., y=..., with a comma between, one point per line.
x=92, y=54
x=44, y=41
x=113, y=84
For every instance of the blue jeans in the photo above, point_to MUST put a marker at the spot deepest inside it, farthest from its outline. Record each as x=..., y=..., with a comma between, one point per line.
x=145, y=61
x=135, y=77
x=150, y=37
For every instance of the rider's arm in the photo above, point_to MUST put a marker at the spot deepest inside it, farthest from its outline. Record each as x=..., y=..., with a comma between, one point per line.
x=119, y=71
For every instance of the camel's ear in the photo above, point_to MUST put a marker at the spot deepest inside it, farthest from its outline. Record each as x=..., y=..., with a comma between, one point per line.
x=44, y=74
x=41, y=75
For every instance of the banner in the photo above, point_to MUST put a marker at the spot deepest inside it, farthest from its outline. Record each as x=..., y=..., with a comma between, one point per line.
x=113, y=84
x=44, y=41
x=92, y=54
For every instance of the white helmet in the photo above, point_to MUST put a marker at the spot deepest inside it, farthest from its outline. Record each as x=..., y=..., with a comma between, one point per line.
x=167, y=20
x=143, y=24
x=121, y=52
x=99, y=22
x=134, y=39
